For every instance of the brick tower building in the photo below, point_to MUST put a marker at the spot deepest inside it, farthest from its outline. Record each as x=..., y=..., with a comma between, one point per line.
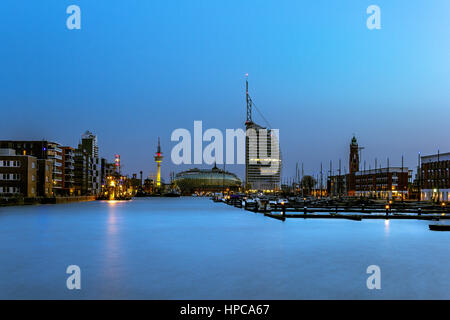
x=354, y=156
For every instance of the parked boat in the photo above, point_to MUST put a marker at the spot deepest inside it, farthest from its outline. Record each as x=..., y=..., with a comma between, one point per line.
x=263, y=205
x=282, y=201
x=172, y=194
x=141, y=194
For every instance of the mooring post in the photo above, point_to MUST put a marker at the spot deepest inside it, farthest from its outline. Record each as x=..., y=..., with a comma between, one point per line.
x=283, y=209
x=305, y=210
x=419, y=211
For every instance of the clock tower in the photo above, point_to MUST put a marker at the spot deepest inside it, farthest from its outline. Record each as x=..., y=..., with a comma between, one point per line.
x=354, y=156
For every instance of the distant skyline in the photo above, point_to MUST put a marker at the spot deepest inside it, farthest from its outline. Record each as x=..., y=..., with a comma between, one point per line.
x=139, y=70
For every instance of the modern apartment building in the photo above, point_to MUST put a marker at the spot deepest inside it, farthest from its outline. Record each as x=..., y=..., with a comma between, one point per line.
x=18, y=174
x=41, y=150
x=82, y=173
x=68, y=171
x=45, y=178
x=434, y=177
x=73, y=171
x=89, y=146
x=96, y=175
x=54, y=153
x=107, y=169
x=89, y=143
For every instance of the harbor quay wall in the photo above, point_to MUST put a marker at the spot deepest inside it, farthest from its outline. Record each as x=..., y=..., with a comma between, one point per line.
x=54, y=200
x=58, y=200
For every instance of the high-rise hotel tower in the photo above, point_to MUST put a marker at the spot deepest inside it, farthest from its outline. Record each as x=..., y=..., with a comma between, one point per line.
x=262, y=154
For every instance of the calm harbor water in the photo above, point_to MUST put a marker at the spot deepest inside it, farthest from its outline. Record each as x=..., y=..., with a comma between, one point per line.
x=192, y=248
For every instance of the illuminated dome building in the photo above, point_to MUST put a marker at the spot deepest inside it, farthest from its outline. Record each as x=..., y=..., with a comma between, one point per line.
x=214, y=180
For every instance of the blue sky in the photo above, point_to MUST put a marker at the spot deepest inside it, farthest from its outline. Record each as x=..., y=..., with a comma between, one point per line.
x=140, y=69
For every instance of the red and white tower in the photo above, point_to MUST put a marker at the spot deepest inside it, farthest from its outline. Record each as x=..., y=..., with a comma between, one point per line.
x=117, y=163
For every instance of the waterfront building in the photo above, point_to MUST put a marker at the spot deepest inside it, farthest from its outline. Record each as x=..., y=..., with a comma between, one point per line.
x=68, y=171
x=54, y=153
x=96, y=176
x=18, y=174
x=89, y=144
x=149, y=185
x=434, y=178
x=337, y=185
x=41, y=150
x=204, y=180
x=382, y=183
x=135, y=183
x=262, y=167
x=45, y=178
x=117, y=187
x=262, y=154
x=82, y=173
x=107, y=169
x=75, y=171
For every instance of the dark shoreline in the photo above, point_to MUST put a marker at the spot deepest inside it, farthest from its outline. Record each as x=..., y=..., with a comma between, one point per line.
x=9, y=202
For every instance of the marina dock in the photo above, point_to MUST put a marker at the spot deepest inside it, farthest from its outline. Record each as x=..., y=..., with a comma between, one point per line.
x=338, y=210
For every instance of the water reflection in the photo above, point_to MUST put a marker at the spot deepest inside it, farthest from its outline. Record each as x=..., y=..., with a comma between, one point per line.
x=192, y=248
x=112, y=220
x=112, y=203
x=386, y=226
x=112, y=242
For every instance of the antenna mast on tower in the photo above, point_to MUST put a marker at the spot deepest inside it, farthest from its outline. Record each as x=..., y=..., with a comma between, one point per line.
x=249, y=102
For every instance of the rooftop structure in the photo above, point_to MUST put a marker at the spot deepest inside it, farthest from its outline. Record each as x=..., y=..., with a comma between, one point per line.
x=206, y=180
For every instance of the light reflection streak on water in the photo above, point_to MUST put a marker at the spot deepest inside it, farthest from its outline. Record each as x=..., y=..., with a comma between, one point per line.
x=112, y=246
x=386, y=226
